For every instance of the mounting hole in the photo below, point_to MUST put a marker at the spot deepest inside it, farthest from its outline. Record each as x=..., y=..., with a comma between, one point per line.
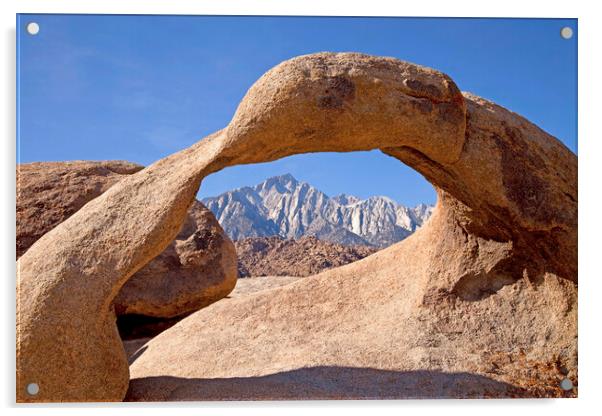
x=33, y=28
x=566, y=32
x=566, y=384
x=33, y=389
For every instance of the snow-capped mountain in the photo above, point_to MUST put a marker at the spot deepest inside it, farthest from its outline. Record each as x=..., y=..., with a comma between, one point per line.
x=290, y=208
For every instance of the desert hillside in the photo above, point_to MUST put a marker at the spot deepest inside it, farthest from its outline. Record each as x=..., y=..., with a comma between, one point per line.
x=275, y=256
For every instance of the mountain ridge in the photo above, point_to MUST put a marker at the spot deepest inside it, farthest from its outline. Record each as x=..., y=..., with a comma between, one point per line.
x=289, y=208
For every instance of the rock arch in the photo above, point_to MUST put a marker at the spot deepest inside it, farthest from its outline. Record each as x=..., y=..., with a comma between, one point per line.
x=507, y=203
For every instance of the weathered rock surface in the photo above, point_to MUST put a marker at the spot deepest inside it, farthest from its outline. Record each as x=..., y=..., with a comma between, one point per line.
x=275, y=256
x=250, y=285
x=359, y=330
x=50, y=192
x=137, y=330
x=142, y=333
x=482, y=298
x=195, y=270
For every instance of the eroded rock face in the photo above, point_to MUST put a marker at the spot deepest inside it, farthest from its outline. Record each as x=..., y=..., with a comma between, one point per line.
x=195, y=270
x=487, y=283
x=377, y=328
x=50, y=192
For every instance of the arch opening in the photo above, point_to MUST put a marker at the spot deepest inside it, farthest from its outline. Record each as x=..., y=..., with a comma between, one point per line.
x=507, y=199
x=344, y=206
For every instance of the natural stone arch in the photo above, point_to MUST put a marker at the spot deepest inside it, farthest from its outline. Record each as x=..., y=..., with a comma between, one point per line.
x=505, y=187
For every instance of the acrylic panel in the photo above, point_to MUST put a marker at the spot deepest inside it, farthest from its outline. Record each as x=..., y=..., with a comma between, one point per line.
x=295, y=208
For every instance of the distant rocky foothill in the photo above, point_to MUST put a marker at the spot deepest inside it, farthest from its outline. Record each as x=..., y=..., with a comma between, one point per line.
x=276, y=256
x=285, y=207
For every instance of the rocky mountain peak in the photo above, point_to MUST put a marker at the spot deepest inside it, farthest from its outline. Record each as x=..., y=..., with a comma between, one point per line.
x=282, y=184
x=345, y=199
x=286, y=207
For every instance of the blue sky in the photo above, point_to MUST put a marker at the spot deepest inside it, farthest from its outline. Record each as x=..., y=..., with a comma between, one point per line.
x=141, y=87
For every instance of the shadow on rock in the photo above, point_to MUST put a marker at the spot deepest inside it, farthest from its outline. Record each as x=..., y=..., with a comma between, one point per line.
x=315, y=383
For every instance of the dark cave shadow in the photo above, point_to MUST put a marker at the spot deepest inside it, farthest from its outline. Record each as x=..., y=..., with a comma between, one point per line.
x=324, y=383
x=133, y=326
